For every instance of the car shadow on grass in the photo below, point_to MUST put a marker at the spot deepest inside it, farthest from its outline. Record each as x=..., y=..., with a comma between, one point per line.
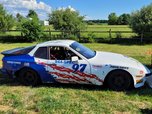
x=142, y=91
x=146, y=111
x=13, y=82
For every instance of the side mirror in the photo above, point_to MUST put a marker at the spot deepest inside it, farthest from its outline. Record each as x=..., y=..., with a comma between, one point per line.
x=74, y=59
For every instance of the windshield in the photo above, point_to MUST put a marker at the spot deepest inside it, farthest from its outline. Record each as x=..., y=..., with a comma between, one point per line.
x=88, y=53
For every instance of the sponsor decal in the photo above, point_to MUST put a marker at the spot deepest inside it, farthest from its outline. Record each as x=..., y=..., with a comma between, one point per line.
x=97, y=66
x=118, y=67
x=64, y=61
x=13, y=62
x=26, y=64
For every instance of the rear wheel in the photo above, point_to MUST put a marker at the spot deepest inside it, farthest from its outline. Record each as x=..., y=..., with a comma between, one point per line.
x=29, y=77
x=119, y=80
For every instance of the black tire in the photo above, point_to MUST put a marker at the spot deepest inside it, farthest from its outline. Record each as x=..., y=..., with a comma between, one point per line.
x=119, y=80
x=29, y=77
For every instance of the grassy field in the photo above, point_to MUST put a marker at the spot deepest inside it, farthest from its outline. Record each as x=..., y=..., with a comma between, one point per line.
x=90, y=28
x=74, y=99
x=102, y=29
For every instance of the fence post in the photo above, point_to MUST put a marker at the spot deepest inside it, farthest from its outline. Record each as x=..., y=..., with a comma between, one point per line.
x=110, y=33
x=110, y=36
x=50, y=33
x=141, y=39
x=79, y=35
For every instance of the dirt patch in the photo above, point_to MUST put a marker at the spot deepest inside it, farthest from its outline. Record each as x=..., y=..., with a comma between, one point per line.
x=5, y=108
x=32, y=112
x=117, y=112
x=141, y=105
x=1, y=98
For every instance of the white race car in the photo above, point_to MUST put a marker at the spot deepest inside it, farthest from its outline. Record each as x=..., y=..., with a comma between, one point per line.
x=68, y=61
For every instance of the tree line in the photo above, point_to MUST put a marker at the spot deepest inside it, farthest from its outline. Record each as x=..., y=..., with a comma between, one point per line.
x=113, y=19
x=71, y=22
x=123, y=19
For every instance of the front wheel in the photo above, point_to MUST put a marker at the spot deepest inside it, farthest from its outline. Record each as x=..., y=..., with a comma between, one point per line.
x=119, y=80
x=29, y=77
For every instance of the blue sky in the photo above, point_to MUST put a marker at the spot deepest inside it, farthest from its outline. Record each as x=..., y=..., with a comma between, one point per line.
x=93, y=9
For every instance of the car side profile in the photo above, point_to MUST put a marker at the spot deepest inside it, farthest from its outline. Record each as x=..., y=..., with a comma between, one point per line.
x=67, y=61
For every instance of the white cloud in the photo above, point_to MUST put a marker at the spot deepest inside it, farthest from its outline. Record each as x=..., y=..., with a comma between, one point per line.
x=87, y=18
x=28, y=4
x=22, y=7
x=69, y=7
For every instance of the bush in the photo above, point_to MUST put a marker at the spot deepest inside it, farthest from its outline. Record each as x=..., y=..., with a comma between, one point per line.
x=73, y=37
x=31, y=30
x=91, y=37
x=118, y=35
x=141, y=20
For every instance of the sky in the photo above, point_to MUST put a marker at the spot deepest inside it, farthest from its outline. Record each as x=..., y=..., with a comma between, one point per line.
x=91, y=9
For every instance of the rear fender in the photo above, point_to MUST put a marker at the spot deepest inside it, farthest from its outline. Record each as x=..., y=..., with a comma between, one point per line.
x=41, y=71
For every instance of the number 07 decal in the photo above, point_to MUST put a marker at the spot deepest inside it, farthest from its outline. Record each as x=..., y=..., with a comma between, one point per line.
x=80, y=67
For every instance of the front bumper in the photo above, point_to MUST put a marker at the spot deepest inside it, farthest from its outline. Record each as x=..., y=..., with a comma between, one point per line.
x=148, y=75
x=149, y=79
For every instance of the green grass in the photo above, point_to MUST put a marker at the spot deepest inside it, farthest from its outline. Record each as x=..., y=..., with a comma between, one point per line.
x=104, y=28
x=108, y=27
x=89, y=28
x=76, y=99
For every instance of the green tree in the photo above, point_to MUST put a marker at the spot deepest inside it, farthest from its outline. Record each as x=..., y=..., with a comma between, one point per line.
x=6, y=20
x=32, y=14
x=124, y=19
x=19, y=17
x=67, y=20
x=112, y=19
x=31, y=29
x=19, y=21
x=141, y=20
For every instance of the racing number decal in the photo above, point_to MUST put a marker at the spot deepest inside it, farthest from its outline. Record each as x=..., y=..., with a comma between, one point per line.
x=80, y=67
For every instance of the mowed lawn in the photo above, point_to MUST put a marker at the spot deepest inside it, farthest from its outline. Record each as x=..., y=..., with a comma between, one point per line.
x=74, y=99
x=101, y=31
x=98, y=31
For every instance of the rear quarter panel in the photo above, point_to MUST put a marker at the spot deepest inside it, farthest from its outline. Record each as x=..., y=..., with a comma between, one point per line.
x=15, y=63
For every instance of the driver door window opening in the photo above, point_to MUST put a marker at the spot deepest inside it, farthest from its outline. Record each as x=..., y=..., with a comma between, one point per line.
x=60, y=53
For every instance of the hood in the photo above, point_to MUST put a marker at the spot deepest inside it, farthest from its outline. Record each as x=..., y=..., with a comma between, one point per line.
x=115, y=59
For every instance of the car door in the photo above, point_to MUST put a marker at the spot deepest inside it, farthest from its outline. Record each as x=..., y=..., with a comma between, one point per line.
x=64, y=70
